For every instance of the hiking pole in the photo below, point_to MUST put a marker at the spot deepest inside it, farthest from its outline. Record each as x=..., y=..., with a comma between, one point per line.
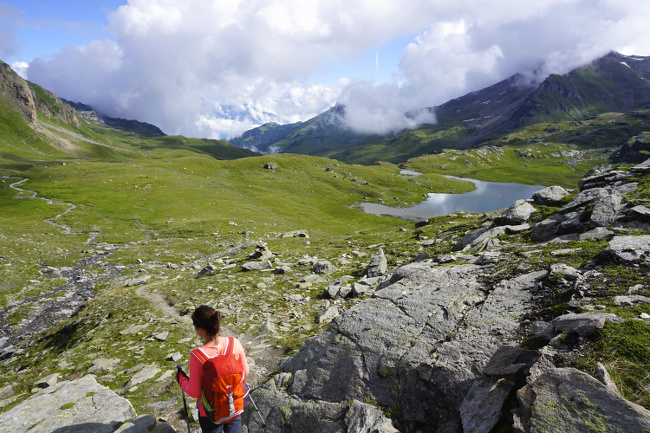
x=256, y=409
x=187, y=414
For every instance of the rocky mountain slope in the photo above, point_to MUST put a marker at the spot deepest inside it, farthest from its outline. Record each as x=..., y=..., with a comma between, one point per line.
x=444, y=342
x=613, y=83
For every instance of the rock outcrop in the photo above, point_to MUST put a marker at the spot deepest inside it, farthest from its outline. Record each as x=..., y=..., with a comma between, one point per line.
x=80, y=406
x=437, y=346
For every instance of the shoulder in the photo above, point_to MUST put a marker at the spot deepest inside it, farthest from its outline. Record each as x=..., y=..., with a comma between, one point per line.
x=237, y=346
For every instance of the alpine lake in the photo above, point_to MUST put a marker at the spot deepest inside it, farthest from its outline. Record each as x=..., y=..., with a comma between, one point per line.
x=487, y=197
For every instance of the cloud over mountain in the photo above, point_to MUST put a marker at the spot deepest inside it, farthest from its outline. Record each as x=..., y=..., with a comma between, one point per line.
x=216, y=69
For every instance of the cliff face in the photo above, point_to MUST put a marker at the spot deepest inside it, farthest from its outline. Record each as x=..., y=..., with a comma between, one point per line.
x=30, y=99
x=17, y=92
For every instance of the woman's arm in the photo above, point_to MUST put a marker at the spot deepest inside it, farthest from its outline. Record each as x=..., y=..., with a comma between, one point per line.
x=192, y=386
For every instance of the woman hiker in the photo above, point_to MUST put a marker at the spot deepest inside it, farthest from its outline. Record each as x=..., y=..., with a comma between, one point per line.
x=217, y=375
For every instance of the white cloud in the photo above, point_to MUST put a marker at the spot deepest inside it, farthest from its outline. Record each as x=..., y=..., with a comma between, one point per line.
x=214, y=69
x=20, y=68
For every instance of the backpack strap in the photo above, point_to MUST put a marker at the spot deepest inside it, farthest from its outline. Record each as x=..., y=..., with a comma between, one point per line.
x=230, y=346
x=200, y=355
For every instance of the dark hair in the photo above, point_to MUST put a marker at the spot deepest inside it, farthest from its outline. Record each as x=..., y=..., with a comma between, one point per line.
x=208, y=319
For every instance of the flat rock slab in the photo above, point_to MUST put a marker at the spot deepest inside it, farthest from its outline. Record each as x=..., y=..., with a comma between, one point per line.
x=418, y=344
x=82, y=406
x=509, y=361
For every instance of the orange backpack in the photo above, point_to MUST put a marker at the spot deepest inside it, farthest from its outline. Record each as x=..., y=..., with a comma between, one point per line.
x=222, y=386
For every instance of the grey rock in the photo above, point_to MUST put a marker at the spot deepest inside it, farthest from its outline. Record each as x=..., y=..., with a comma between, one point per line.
x=488, y=257
x=48, y=381
x=543, y=330
x=327, y=315
x=363, y=418
x=162, y=336
x=418, y=343
x=270, y=166
x=268, y=327
x=603, y=376
x=560, y=271
x=207, y=270
x=481, y=408
x=641, y=211
x=644, y=167
x=82, y=406
x=607, y=210
x=360, y=290
x=378, y=264
x=312, y=278
x=513, y=230
x=138, y=281
x=626, y=249
x=257, y=266
x=280, y=270
x=518, y=213
x=175, y=357
x=479, y=239
x=6, y=391
x=104, y=366
x=570, y=401
x=630, y=300
x=583, y=324
x=141, y=376
x=509, y=361
x=551, y=196
x=597, y=233
x=323, y=267
x=295, y=234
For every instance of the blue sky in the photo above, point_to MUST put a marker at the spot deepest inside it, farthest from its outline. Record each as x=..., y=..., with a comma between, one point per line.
x=215, y=68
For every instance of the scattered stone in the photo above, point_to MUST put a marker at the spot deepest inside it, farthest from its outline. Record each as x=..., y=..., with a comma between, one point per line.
x=551, y=196
x=257, y=266
x=644, y=316
x=141, y=376
x=543, y=330
x=324, y=267
x=104, y=366
x=488, y=257
x=570, y=401
x=270, y=166
x=509, y=361
x=295, y=234
x=208, y=270
x=268, y=327
x=481, y=408
x=603, y=375
x=280, y=270
x=134, y=329
x=583, y=324
x=6, y=391
x=138, y=281
x=327, y=315
x=378, y=264
x=48, y=381
x=163, y=404
x=175, y=357
x=629, y=300
x=162, y=336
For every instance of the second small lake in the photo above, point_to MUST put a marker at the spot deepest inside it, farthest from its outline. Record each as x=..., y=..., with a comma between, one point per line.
x=487, y=197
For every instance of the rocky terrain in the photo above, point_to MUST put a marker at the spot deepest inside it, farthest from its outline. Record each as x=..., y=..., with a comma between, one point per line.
x=489, y=326
x=441, y=344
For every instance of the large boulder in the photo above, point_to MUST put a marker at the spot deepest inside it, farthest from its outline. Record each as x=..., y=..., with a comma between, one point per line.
x=518, y=213
x=628, y=249
x=569, y=401
x=551, y=196
x=417, y=345
x=80, y=406
x=378, y=265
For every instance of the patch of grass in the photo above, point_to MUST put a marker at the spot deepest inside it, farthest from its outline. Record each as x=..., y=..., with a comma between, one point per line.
x=624, y=349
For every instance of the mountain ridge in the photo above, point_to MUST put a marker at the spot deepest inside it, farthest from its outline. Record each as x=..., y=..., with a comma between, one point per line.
x=613, y=82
